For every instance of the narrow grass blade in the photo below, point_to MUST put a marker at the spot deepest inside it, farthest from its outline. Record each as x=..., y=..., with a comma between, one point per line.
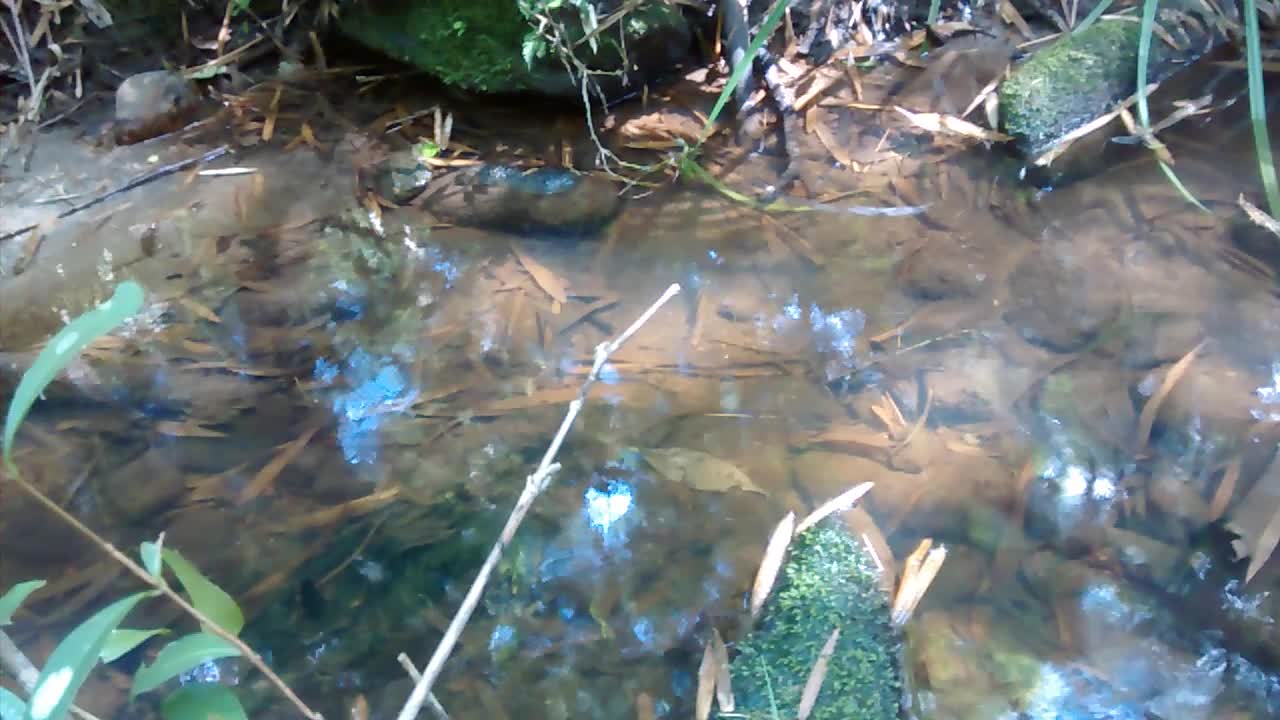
x=125, y=302
x=1258, y=108
x=744, y=65
x=1092, y=17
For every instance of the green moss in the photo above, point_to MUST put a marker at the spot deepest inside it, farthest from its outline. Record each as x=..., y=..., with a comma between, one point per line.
x=829, y=581
x=1069, y=83
x=473, y=44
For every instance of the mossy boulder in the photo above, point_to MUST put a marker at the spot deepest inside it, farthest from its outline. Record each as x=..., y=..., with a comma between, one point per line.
x=1078, y=78
x=494, y=46
x=829, y=582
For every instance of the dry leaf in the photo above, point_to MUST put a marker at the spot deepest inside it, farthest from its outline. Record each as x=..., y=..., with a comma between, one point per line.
x=187, y=428
x=724, y=683
x=839, y=503
x=951, y=125
x=699, y=470
x=1267, y=542
x=267, y=475
x=1226, y=490
x=547, y=280
x=200, y=310
x=921, y=568
x=813, y=685
x=1149, y=411
x=1259, y=217
x=775, y=553
x=706, y=684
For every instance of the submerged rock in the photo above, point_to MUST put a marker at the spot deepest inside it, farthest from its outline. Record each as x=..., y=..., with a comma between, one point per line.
x=494, y=46
x=502, y=197
x=829, y=582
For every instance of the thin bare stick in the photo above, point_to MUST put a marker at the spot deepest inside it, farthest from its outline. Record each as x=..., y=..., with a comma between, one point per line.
x=534, y=485
x=254, y=658
x=16, y=663
x=432, y=703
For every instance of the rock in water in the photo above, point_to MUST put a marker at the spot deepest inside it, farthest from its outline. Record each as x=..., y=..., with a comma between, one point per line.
x=546, y=200
x=829, y=582
x=402, y=177
x=152, y=103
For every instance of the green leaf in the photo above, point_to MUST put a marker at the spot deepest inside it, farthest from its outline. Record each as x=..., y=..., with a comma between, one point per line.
x=212, y=601
x=205, y=701
x=150, y=554
x=10, y=601
x=122, y=640
x=1258, y=108
x=11, y=706
x=73, y=659
x=209, y=72
x=180, y=656
x=59, y=351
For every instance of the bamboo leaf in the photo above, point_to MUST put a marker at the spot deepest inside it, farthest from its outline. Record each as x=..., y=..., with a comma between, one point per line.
x=65, y=345
x=180, y=656
x=10, y=601
x=72, y=660
x=774, y=555
x=122, y=640
x=212, y=601
x=11, y=706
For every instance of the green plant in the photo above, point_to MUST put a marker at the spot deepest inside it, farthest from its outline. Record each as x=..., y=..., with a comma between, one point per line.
x=1258, y=108
x=100, y=638
x=828, y=582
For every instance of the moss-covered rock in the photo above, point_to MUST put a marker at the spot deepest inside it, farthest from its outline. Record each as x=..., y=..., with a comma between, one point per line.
x=494, y=45
x=829, y=581
x=1080, y=77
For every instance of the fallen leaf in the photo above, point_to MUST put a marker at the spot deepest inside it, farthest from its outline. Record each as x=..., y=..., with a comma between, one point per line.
x=775, y=553
x=699, y=470
x=724, y=683
x=1267, y=542
x=839, y=503
x=951, y=125
x=706, y=684
x=1149, y=411
x=547, y=280
x=267, y=475
x=1226, y=490
x=200, y=310
x=186, y=428
x=813, y=685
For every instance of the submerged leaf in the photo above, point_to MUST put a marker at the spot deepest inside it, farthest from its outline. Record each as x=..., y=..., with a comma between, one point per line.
x=699, y=470
x=206, y=701
x=65, y=345
x=774, y=555
x=180, y=656
x=72, y=660
x=10, y=601
x=813, y=685
x=212, y=601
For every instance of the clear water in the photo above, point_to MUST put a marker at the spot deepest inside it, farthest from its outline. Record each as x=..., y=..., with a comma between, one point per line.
x=985, y=363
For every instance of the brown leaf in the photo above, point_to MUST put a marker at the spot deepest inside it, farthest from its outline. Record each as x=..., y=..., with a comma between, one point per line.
x=775, y=553
x=1267, y=542
x=1226, y=489
x=724, y=683
x=199, y=310
x=1149, y=411
x=706, y=684
x=839, y=503
x=547, y=280
x=187, y=428
x=267, y=475
x=951, y=125
x=699, y=470
x=813, y=685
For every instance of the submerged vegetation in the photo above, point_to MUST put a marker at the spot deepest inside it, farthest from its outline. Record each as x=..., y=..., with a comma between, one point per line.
x=828, y=584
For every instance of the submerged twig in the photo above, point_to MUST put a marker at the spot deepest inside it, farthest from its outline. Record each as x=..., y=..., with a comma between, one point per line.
x=534, y=485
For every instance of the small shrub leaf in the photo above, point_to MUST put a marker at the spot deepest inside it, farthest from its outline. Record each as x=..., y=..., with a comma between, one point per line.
x=122, y=640
x=59, y=351
x=11, y=706
x=72, y=660
x=10, y=601
x=180, y=656
x=204, y=701
x=151, y=559
x=212, y=601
